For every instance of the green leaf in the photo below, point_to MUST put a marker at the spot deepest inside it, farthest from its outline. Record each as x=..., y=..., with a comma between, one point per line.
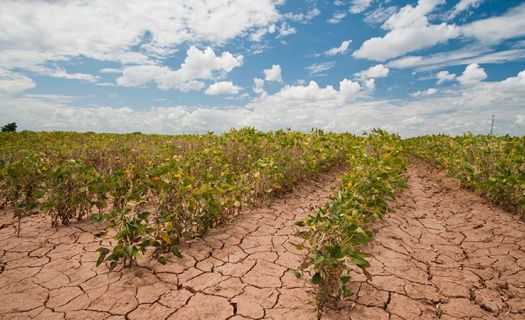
x=101, y=233
x=316, y=278
x=359, y=261
x=300, y=223
x=298, y=246
x=102, y=253
x=112, y=266
x=176, y=253
x=319, y=258
x=335, y=252
x=163, y=260
x=346, y=292
x=344, y=279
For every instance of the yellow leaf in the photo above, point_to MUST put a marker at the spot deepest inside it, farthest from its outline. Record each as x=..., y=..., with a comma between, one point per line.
x=166, y=238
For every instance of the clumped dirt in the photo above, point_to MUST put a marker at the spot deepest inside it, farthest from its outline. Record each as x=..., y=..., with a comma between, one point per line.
x=444, y=253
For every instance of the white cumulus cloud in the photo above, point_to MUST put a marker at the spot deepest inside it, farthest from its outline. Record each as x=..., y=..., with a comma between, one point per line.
x=377, y=71
x=258, y=86
x=222, y=87
x=409, y=30
x=301, y=107
x=273, y=74
x=197, y=65
x=443, y=76
x=473, y=74
x=34, y=32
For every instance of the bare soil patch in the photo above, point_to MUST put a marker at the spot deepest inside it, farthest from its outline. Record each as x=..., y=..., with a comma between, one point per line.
x=444, y=253
x=238, y=271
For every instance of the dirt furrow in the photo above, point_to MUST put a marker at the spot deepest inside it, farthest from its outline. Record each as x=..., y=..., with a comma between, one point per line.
x=444, y=253
x=239, y=271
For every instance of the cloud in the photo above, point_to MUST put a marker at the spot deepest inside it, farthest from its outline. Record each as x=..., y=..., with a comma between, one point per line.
x=520, y=120
x=312, y=93
x=486, y=33
x=342, y=49
x=443, y=76
x=377, y=71
x=11, y=82
x=379, y=15
x=336, y=18
x=258, y=86
x=370, y=84
x=496, y=29
x=409, y=31
x=463, y=56
x=303, y=17
x=193, y=85
x=428, y=92
x=222, y=87
x=410, y=16
x=473, y=74
x=285, y=30
x=110, y=70
x=62, y=73
x=358, y=6
x=319, y=68
x=273, y=74
x=349, y=90
x=464, y=5
x=109, y=31
x=197, y=65
x=453, y=111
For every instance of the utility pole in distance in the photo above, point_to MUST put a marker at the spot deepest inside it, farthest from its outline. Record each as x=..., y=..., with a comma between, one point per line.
x=492, y=125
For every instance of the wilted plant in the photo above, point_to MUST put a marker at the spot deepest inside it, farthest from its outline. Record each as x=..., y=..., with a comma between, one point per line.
x=24, y=183
x=336, y=233
x=69, y=195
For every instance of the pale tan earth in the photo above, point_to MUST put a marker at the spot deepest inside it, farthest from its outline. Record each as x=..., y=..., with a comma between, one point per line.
x=444, y=253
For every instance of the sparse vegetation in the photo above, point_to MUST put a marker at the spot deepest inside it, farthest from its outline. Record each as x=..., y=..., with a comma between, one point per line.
x=337, y=232
x=492, y=166
x=189, y=183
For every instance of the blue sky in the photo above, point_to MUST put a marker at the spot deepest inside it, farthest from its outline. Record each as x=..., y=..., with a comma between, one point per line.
x=413, y=67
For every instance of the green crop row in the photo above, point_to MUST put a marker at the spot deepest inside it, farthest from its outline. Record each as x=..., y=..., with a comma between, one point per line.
x=492, y=166
x=336, y=233
x=157, y=190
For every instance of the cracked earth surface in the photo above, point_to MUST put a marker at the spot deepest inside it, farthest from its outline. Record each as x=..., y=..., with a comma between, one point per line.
x=444, y=253
x=238, y=271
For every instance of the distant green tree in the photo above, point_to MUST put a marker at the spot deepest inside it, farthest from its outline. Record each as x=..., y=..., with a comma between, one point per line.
x=10, y=127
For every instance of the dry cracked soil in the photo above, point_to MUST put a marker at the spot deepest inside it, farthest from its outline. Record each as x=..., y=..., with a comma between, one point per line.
x=444, y=253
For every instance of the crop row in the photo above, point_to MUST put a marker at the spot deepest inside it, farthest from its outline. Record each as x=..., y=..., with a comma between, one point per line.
x=492, y=166
x=337, y=232
x=157, y=190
